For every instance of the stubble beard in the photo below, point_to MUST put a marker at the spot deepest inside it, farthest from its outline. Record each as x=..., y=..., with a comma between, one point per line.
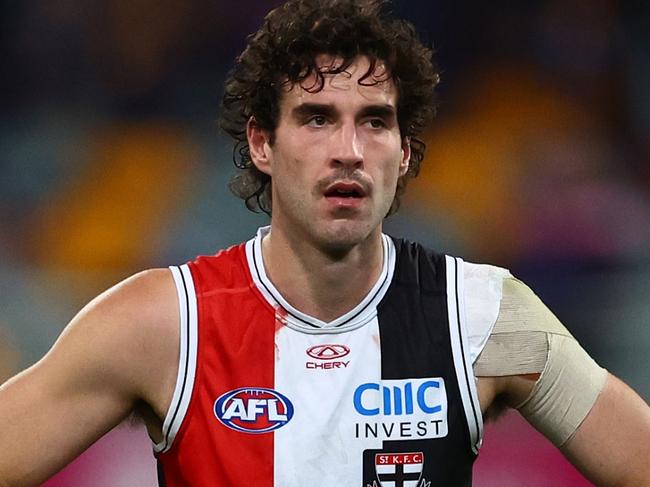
x=335, y=237
x=303, y=219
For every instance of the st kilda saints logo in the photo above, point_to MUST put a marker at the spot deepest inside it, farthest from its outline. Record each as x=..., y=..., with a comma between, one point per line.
x=327, y=357
x=253, y=410
x=393, y=469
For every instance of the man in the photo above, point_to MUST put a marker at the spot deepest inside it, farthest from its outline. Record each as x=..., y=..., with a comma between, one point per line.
x=321, y=352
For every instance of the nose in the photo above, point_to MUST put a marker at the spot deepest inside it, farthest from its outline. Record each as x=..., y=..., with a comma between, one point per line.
x=347, y=147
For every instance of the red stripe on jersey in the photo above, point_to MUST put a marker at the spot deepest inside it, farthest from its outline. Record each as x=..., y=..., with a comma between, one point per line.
x=236, y=329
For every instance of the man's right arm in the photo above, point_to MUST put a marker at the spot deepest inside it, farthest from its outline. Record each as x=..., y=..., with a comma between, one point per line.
x=121, y=349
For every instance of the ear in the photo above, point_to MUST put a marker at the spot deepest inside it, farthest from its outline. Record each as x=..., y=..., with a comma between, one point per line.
x=406, y=156
x=259, y=146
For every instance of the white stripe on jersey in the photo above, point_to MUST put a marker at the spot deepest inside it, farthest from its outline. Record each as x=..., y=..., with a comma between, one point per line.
x=461, y=351
x=187, y=357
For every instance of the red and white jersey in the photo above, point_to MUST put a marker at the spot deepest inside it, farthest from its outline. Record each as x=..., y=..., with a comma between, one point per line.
x=269, y=396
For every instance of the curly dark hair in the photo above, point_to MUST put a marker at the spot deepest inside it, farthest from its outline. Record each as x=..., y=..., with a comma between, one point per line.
x=284, y=50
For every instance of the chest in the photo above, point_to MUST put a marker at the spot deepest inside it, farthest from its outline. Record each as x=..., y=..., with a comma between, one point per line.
x=381, y=401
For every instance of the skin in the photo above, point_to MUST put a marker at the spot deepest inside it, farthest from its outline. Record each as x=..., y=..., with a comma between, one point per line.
x=117, y=355
x=120, y=353
x=325, y=255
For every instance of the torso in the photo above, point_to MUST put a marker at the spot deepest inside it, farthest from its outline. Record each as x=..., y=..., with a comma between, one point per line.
x=295, y=374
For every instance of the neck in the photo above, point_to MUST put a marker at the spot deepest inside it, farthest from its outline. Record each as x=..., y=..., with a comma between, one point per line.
x=322, y=284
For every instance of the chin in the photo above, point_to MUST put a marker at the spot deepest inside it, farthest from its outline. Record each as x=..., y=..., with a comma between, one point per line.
x=343, y=235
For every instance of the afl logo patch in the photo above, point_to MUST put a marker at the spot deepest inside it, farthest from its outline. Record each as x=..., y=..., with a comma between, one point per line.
x=253, y=410
x=328, y=352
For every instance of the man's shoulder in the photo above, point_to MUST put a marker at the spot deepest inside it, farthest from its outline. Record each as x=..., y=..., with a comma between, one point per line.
x=139, y=311
x=133, y=330
x=144, y=294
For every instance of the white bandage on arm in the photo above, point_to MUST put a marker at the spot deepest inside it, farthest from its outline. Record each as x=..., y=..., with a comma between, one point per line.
x=527, y=338
x=565, y=392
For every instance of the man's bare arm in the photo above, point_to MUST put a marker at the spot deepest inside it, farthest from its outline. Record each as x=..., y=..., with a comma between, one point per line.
x=532, y=363
x=612, y=445
x=121, y=349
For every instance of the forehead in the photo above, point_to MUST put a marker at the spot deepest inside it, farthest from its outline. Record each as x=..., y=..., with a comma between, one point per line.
x=350, y=87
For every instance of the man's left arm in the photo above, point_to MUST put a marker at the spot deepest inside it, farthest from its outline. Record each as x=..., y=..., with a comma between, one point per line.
x=612, y=445
x=533, y=364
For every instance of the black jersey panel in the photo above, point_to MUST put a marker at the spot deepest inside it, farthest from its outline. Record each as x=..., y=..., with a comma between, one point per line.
x=413, y=315
x=416, y=343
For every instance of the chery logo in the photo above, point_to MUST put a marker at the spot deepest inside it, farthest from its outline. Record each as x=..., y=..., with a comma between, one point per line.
x=329, y=354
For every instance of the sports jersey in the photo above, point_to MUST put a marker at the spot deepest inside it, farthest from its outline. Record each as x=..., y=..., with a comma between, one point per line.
x=269, y=396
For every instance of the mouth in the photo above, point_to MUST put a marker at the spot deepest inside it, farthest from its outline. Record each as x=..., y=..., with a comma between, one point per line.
x=347, y=196
x=345, y=190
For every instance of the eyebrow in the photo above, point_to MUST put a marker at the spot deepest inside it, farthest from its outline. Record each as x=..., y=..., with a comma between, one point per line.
x=306, y=110
x=386, y=112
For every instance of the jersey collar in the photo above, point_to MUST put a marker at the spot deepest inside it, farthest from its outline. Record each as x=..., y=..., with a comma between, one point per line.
x=365, y=311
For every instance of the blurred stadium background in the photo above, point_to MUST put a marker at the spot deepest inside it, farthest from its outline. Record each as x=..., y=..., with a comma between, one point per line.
x=111, y=161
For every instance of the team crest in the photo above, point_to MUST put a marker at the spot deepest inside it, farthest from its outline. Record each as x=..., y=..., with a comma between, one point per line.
x=385, y=468
x=399, y=469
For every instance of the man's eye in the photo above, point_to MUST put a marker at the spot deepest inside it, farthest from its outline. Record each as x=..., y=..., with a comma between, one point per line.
x=377, y=123
x=317, y=121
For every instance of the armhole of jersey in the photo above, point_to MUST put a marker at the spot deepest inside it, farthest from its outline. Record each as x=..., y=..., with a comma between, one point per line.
x=187, y=357
x=460, y=350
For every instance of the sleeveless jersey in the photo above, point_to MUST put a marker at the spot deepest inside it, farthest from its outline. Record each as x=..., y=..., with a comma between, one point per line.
x=383, y=396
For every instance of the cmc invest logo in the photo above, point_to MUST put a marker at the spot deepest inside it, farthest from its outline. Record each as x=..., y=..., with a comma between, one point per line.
x=328, y=352
x=401, y=409
x=253, y=409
